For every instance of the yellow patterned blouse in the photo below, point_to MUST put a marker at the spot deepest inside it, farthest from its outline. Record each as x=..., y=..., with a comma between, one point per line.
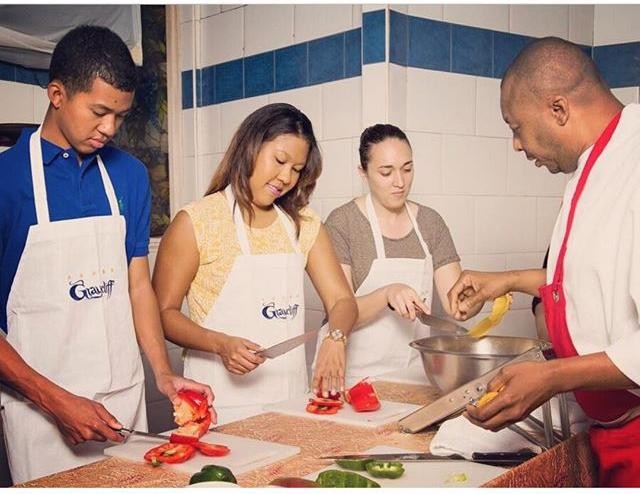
x=218, y=247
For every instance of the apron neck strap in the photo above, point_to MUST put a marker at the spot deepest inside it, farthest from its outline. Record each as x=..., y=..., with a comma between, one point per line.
x=595, y=153
x=377, y=233
x=40, y=189
x=241, y=229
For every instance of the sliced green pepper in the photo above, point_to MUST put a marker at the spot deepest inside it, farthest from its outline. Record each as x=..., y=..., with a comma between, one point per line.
x=385, y=469
x=340, y=478
x=359, y=465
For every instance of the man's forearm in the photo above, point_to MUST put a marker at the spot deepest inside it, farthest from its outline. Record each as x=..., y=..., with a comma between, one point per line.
x=526, y=280
x=590, y=372
x=19, y=376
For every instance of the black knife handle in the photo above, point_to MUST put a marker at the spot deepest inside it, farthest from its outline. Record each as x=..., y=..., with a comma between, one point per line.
x=504, y=457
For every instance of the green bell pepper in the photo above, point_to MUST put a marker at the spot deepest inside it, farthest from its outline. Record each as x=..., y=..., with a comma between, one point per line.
x=210, y=473
x=359, y=465
x=385, y=469
x=340, y=478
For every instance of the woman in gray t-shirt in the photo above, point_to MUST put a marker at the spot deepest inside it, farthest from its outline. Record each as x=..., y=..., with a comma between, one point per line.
x=393, y=252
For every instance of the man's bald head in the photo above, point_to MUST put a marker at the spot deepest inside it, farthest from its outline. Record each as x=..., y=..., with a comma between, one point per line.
x=551, y=66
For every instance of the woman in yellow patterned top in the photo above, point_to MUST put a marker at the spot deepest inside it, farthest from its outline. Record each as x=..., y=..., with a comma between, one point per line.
x=239, y=256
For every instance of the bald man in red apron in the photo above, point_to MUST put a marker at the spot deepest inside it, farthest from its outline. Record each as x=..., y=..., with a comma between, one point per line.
x=564, y=117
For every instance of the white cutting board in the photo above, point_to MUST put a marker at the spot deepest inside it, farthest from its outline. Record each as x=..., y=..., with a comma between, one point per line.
x=389, y=411
x=429, y=473
x=246, y=454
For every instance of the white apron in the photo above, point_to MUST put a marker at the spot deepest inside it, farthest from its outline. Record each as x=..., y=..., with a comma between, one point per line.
x=262, y=301
x=69, y=317
x=382, y=346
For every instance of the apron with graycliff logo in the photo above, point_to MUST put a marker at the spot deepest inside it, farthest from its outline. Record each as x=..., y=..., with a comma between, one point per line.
x=262, y=301
x=69, y=317
x=382, y=346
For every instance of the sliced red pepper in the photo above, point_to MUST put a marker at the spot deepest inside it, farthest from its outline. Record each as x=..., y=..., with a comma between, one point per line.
x=170, y=453
x=321, y=410
x=363, y=397
x=177, y=438
x=193, y=407
x=210, y=449
x=327, y=402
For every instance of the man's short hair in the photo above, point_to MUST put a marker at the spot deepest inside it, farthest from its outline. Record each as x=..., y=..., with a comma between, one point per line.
x=87, y=52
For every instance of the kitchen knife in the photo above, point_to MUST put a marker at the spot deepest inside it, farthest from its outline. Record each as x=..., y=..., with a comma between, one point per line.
x=497, y=458
x=438, y=322
x=286, y=345
x=133, y=432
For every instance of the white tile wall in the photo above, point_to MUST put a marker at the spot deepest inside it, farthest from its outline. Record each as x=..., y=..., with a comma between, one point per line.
x=489, y=120
x=458, y=212
x=228, y=7
x=17, y=102
x=581, y=24
x=505, y=224
x=398, y=95
x=207, y=10
x=427, y=161
x=40, y=103
x=441, y=102
x=427, y=10
x=374, y=94
x=316, y=21
x=356, y=16
x=233, y=113
x=485, y=16
x=188, y=132
x=341, y=108
x=308, y=100
x=616, y=24
x=337, y=170
x=626, y=94
x=483, y=262
x=539, y=20
x=279, y=18
x=208, y=129
x=185, y=13
x=207, y=165
x=186, y=46
x=222, y=37
x=358, y=184
x=474, y=165
x=190, y=181
x=371, y=7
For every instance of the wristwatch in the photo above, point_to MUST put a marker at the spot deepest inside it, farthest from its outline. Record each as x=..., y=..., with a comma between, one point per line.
x=337, y=335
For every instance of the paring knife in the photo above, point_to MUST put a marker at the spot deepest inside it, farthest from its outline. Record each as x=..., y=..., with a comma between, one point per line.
x=494, y=458
x=286, y=345
x=438, y=322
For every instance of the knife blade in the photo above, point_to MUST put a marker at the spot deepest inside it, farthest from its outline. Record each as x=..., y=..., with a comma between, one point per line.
x=133, y=432
x=494, y=458
x=438, y=322
x=286, y=345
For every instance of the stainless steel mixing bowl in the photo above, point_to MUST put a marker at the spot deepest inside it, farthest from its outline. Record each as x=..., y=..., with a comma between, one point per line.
x=451, y=361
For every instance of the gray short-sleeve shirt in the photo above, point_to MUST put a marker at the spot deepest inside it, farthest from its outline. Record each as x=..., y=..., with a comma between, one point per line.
x=353, y=242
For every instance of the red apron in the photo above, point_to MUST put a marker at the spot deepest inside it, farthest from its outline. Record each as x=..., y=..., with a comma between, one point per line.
x=617, y=449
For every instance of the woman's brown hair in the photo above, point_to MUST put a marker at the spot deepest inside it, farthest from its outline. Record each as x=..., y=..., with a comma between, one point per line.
x=264, y=125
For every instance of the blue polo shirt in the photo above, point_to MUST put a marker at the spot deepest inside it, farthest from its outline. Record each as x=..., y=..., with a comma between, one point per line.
x=73, y=191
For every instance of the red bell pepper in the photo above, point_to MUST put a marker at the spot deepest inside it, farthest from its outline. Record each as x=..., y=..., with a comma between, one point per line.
x=192, y=415
x=170, y=453
x=321, y=410
x=209, y=449
x=363, y=397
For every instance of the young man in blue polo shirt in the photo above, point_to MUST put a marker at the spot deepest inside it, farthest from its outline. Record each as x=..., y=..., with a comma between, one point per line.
x=75, y=293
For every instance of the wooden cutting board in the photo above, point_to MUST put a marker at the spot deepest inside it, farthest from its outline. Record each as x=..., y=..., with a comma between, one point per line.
x=388, y=412
x=246, y=454
x=430, y=473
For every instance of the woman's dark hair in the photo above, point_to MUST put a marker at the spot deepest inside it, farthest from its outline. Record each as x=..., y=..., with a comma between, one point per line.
x=375, y=134
x=87, y=52
x=264, y=125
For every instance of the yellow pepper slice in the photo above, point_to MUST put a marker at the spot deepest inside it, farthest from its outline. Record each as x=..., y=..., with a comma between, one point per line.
x=500, y=307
